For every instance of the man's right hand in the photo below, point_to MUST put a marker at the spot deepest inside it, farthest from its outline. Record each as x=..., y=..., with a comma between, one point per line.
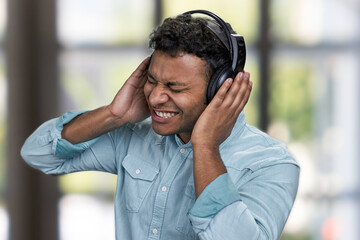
x=129, y=105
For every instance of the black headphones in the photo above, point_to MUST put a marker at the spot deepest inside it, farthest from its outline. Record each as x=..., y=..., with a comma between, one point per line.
x=236, y=47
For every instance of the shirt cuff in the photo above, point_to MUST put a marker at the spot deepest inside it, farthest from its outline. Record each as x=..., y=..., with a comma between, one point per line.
x=64, y=148
x=217, y=195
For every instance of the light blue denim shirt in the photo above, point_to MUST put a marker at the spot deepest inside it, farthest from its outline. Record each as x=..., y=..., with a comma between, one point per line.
x=155, y=193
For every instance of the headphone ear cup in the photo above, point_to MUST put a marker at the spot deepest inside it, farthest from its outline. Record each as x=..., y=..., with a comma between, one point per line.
x=217, y=79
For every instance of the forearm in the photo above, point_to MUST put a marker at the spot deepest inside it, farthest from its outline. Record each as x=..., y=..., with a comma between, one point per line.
x=90, y=125
x=207, y=166
x=45, y=150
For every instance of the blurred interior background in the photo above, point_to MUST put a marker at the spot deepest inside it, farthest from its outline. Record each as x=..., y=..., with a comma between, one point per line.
x=65, y=55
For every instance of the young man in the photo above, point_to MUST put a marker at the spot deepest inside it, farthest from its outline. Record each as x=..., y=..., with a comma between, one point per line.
x=187, y=168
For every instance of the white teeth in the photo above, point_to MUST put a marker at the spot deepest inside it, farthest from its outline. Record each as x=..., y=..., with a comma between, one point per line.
x=164, y=114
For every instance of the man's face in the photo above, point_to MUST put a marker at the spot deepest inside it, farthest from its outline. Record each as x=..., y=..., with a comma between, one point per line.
x=175, y=92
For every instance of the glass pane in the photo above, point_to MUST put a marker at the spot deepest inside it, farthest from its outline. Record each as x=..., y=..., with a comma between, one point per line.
x=79, y=213
x=291, y=97
x=90, y=79
x=242, y=15
x=314, y=21
x=341, y=141
x=109, y=22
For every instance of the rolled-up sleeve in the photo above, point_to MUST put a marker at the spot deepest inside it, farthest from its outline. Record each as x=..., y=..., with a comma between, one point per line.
x=62, y=147
x=255, y=209
x=47, y=151
x=217, y=195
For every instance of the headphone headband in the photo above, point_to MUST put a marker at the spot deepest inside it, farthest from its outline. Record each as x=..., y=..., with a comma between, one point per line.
x=232, y=41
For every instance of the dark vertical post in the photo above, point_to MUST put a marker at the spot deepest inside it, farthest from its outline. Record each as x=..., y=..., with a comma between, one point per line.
x=158, y=12
x=264, y=57
x=32, y=78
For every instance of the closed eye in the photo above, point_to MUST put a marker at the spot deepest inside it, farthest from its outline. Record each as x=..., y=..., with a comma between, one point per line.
x=150, y=80
x=176, y=87
x=175, y=90
x=172, y=86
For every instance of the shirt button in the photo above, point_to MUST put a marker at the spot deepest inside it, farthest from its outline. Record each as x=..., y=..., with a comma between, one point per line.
x=182, y=150
x=137, y=171
x=155, y=231
x=163, y=189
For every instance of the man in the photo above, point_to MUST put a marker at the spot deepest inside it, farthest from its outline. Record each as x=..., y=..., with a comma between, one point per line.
x=187, y=168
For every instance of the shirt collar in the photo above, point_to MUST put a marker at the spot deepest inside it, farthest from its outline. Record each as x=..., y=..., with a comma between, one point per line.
x=180, y=143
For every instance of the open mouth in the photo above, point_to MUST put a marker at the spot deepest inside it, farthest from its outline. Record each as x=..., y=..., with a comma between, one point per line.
x=165, y=114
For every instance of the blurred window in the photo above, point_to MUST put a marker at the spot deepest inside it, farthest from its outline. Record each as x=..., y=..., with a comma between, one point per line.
x=312, y=22
x=104, y=23
x=313, y=64
x=242, y=15
x=4, y=221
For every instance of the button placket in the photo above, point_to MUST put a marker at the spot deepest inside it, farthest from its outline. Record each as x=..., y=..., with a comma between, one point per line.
x=163, y=191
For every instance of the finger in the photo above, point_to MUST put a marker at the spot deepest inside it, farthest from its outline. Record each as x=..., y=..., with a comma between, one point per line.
x=221, y=93
x=138, y=77
x=243, y=84
x=248, y=92
x=246, y=97
x=234, y=91
x=141, y=70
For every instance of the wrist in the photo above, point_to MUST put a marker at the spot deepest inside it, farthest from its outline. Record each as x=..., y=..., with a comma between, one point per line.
x=112, y=118
x=208, y=165
x=205, y=145
x=206, y=148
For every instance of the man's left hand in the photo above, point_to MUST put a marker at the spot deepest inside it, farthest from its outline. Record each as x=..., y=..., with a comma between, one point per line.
x=218, y=119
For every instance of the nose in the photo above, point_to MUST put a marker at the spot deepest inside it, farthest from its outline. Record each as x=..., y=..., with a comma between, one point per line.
x=158, y=95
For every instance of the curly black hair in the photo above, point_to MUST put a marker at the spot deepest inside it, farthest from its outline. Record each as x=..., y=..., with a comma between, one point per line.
x=187, y=34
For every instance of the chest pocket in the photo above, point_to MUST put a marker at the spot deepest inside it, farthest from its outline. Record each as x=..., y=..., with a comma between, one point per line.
x=183, y=224
x=138, y=179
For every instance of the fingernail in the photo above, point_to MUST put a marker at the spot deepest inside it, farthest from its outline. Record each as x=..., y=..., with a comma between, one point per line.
x=239, y=77
x=251, y=83
x=229, y=80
